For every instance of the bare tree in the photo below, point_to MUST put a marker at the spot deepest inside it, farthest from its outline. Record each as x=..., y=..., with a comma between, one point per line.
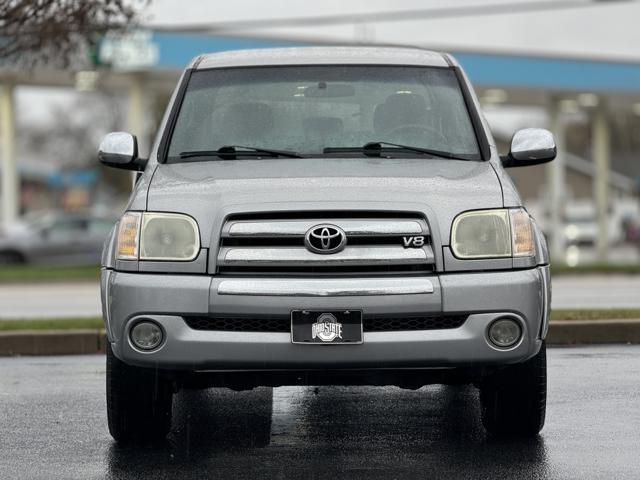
x=55, y=31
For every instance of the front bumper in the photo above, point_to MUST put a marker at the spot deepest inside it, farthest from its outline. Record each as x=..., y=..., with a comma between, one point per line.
x=485, y=296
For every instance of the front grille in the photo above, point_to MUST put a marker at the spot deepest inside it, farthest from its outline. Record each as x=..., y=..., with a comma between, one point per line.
x=401, y=324
x=273, y=243
x=240, y=324
x=369, y=323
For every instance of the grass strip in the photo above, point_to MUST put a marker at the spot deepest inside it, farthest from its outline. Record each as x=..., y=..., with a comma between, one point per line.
x=96, y=322
x=51, y=324
x=36, y=274
x=595, y=269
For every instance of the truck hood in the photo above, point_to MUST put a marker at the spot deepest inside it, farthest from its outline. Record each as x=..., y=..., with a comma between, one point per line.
x=211, y=190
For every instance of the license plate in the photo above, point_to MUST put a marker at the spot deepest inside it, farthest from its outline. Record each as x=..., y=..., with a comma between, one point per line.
x=326, y=327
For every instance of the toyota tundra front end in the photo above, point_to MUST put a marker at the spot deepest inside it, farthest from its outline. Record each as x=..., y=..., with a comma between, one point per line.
x=325, y=216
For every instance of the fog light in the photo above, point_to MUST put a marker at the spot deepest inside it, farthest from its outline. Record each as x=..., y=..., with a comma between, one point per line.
x=505, y=332
x=146, y=335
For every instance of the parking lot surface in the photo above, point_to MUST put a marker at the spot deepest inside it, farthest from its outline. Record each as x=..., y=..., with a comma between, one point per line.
x=53, y=425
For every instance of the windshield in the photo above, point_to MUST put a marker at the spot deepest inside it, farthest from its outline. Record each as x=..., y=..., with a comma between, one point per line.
x=310, y=109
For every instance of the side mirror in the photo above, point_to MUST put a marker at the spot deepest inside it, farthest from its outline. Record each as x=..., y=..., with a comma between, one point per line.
x=530, y=146
x=120, y=150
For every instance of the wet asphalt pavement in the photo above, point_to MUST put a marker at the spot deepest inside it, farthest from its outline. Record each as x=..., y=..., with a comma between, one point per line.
x=53, y=425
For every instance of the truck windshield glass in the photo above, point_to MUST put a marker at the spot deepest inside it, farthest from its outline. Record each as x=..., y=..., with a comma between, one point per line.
x=310, y=110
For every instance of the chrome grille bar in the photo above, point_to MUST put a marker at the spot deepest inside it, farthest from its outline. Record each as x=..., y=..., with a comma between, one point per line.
x=278, y=257
x=324, y=288
x=294, y=228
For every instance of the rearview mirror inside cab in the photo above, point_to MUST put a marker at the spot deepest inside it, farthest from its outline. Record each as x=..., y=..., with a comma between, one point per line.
x=329, y=90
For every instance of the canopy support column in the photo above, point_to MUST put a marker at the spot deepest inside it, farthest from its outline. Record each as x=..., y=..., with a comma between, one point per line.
x=136, y=116
x=601, y=148
x=10, y=196
x=556, y=181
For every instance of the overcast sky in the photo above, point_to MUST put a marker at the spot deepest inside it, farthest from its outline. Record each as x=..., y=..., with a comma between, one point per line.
x=585, y=28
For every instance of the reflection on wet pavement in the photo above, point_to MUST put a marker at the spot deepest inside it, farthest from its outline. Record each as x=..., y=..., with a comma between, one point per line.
x=53, y=425
x=311, y=432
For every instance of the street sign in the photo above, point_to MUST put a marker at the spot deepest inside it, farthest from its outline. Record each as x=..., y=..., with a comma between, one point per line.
x=128, y=51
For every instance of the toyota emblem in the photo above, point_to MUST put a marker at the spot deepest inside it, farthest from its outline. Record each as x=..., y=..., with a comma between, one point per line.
x=325, y=239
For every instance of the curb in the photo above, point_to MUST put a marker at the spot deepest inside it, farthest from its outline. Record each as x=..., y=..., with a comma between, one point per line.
x=82, y=342
x=581, y=332
x=52, y=342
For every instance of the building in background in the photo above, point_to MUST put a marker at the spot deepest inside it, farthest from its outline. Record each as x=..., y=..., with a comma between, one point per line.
x=570, y=66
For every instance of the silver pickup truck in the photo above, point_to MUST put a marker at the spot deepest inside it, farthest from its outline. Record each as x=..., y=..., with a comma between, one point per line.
x=325, y=216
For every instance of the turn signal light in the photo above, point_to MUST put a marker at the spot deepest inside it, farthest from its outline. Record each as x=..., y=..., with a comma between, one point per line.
x=521, y=234
x=128, y=236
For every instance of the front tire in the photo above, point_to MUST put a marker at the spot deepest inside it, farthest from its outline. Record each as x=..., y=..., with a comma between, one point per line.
x=514, y=399
x=138, y=402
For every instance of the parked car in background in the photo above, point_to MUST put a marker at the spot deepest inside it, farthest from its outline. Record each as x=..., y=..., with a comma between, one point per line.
x=581, y=225
x=59, y=238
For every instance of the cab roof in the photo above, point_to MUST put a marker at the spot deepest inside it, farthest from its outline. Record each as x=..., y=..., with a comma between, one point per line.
x=322, y=56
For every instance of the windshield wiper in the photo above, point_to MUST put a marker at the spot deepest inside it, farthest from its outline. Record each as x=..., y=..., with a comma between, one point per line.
x=230, y=152
x=376, y=149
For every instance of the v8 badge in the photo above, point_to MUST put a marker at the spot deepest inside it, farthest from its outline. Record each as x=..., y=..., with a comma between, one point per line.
x=413, y=242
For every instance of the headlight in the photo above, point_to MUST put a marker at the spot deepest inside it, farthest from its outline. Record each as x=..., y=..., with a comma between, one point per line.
x=168, y=236
x=492, y=234
x=158, y=236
